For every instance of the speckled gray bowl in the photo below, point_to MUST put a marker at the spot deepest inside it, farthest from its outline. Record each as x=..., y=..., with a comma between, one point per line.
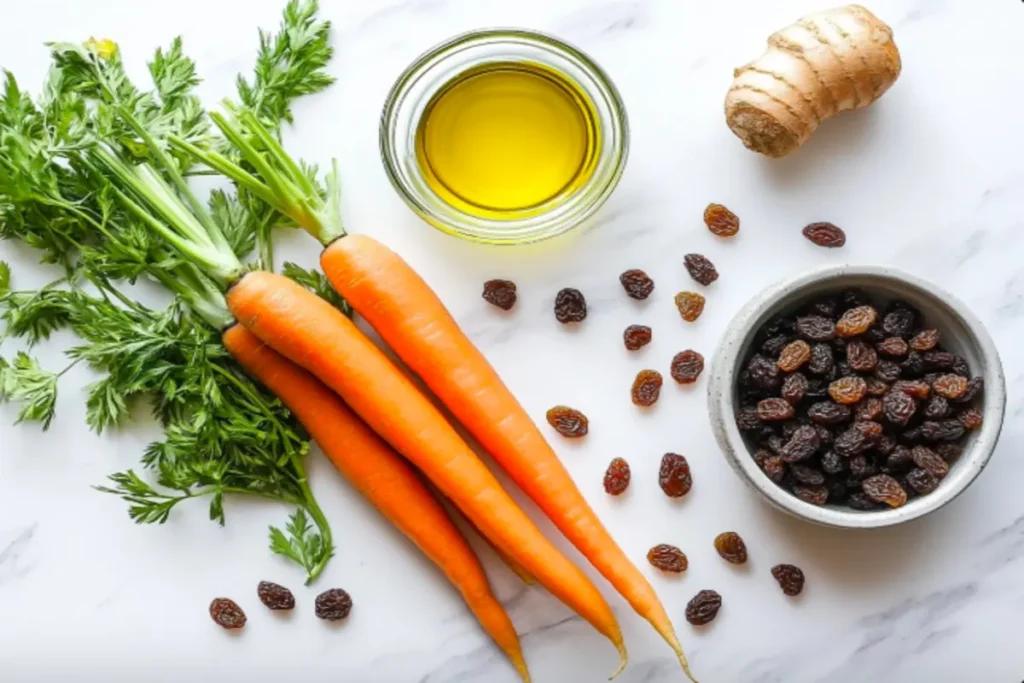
x=961, y=332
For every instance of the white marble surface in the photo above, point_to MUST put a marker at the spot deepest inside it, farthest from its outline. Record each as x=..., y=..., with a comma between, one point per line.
x=929, y=180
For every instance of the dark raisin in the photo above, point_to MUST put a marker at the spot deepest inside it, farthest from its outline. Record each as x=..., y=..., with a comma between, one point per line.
x=568, y=422
x=815, y=328
x=892, y=346
x=899, y=323
x=747, y=419
x=674, y=475
x=859, y=438
x=731, y=547
x=501, y=293
x=837, y=490
x=829, y=413
x=821, y=362
x=898, y=407
x=913, y=365
x=700, y=269
x=790, y=578
x=974, y=387
x=936, y=408
x=885, y=445
x=912, y=435
x=616, y=477
x=925, y=340
x=275, y=596
x=848, y=390
x=825, y=235
x=804, y=474
x=760, y=374
x=887, y=371
x=827, y=306
x=971, y=418
x=843, y=368
x=794, y=355
x=900, y=460
x=815, y=495
x=950, y=386
x=861, y=467
x=913, y=388
x=636, y=337
x=816, y=389
x=922, y=481
x=637, y=284
x=333, y=604
x=876, y=387
x=824, y=435
x=774, y=409
x=687, y=366
x=794, y=388
x=960, y=367
x=667, y=558
x=227, y=614
x=856, y=321
x=789, y=428
x=853, y=297
x=779, y=325
x=938, y=360
x=570, y=306
x=861, y=356
x=775, y=468
x=929, y=460
x=690, y=305
x=945, y=430
x=882, y=488
x=860, y=501
x=869, y=409
x=801, y=445
x=949, y=451
x=646, y=388
x=832, y=463
x=772, y=346
x=703, y=608
x=721, y=221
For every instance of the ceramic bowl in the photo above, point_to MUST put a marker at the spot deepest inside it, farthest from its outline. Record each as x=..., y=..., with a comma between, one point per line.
x=961, y=333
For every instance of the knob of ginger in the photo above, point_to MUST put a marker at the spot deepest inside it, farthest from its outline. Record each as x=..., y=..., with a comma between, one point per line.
x=823, y=64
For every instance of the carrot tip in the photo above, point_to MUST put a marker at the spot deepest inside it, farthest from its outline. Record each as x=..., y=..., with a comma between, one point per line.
x=686, y=666
x=623, y=659
x=520, y=664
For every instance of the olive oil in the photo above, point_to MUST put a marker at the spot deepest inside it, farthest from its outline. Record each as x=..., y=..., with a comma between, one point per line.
x=507, y=140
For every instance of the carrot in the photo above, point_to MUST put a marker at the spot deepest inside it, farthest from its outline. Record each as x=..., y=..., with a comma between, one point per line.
x=411, y=319
x=313, y=334
x=382, y=477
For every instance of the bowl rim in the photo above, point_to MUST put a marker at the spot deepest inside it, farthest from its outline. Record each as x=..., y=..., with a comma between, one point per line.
x=721, y=409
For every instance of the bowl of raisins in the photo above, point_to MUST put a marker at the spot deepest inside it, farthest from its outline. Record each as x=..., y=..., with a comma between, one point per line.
x=857, y=396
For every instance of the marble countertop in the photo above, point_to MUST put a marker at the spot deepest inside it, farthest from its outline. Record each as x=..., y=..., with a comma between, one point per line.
x=929, y=180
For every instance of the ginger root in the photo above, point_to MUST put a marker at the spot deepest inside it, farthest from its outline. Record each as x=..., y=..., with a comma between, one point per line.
x=823, y=64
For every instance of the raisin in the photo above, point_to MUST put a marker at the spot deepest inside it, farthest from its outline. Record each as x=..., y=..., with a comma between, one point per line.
x=922, y=481
x=674, y=475
x=774, y=409
x=843, y=368
x=971, y=418
x=775, y=468
x=636, y=337
x=275, y=596
x=960, y=367
x=703, y=608
x=646, y=388
x=892, y=346
x=929, y=460
x=912, y=435
x=873, y=336
x=816, y=328
x=500, y=293
x=852, y=298
x=898, y=407
x=568, y=422
x=333, y=604
x=747, y=419
x=570, y=306
x=899, y=323
x=825, y=235
x=900, y=460
x=856, y=321
x=760, y=374
x=815, y=495
x=637, y=283
x=794, y=387
x=690, y=305
x=848, y=390
x=859, y=438
x=780, y=325
x=790, y=578
x=801, y=445
x=731, y=547
x=885, y=445
x=861, y=356
x=829, y=413
x=804, y=474
x=861, y=468
x=938, y=360
x=616, y=477
x=687, y=366
x=950, y=386
x=913, y=365
x=821, y=362
x=925, y=340
x=974, y=387
x=876, y=387
x=227, y=613
x=700, y=269
x=887, y=371
x=882, y=488
x=869, y=409
x=721, y=221
x=816, y=389
x=913, y=388
x=936, y=408
x=794, y=355
x=773, y=345
x=859, y=501
x=831, y=463
x=668, y=558
x=949, y=451
x=945, y=430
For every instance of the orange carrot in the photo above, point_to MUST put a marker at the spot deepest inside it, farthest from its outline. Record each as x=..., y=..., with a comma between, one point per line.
x=383, y=477
x=312, y=333
x=411, y=319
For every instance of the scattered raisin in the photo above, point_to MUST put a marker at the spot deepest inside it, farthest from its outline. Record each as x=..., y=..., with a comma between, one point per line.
x=646, y=388
x=687, y=366
x=668, y=558
x=636, y=337
x=570, y=306
x=938, y=360
x=637, y=284
x=945, y=430
x=721, y=221
x=925, y=340
x=815, y=495
x=807, y=475
x=690, y=305
x=974, y=387
x=501, y=293
x=333, y=604
x=227, y=614
x=825, y=235
x=929, y=460
x=703, y=608
x=774, y=409
x=794, y=355
x=899, y=323
x=821, y=362
x=856, y=321
x=790, y=578
x=674, y=475
x=801, y=445
x=869, y=409
x=275, y=596
x=616, y=478
x=861, y=356
x=731, y=547
x=971, y=418
x=829, y=413
x=815, y=328
x=898, y=407
x=914, y=388
x=848, y=390
x=892, y=346
x=794, y=388
x=936, y=408
x=950, y=386
x=882, y=488
x=568, y=422
x=700, y=269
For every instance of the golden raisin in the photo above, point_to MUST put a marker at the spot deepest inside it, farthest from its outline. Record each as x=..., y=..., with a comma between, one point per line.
x=721, y=221
x=950, y=386
x=856, y=321
x=731, y=547
x=690, y=305
x=848, y=390
x=646, y=388
x=794, y=355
